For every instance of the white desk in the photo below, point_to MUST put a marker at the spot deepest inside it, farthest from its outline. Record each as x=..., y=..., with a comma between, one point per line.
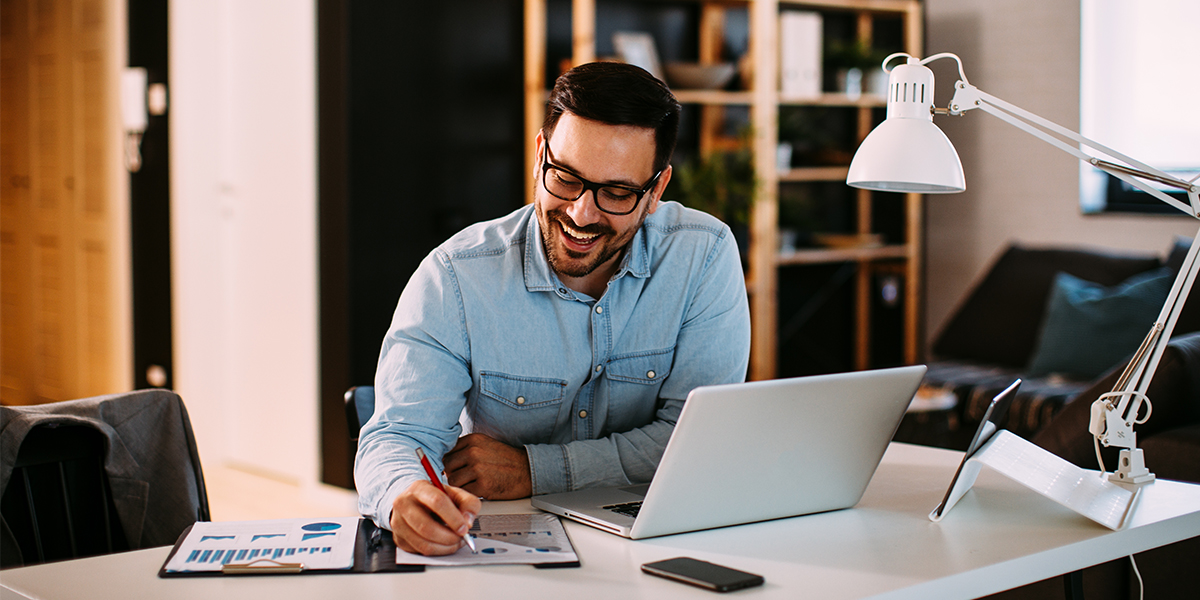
x=998, y=537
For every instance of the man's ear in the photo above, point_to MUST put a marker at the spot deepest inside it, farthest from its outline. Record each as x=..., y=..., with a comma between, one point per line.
x=659, y=188
x=538, y=153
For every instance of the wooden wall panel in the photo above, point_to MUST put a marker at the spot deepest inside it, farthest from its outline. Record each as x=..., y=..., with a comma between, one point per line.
x=57, y=229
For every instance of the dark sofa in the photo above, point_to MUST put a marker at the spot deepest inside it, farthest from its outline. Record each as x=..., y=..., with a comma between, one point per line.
x=994, y=335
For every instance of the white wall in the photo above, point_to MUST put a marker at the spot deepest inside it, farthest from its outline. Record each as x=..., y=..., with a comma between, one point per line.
x=1019, y=189
x=244, y=225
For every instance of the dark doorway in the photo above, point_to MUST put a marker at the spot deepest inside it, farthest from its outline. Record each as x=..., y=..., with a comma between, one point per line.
x=150, y=208
x=420, y=134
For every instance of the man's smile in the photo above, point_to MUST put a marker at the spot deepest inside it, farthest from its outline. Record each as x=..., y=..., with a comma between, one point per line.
x=580, y=240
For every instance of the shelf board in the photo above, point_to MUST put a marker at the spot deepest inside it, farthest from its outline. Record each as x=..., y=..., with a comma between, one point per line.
x=815, y=256
x=744, y=97
x=831, y=99
x=804, y=174
x=884, y=6
x=719, y=97
x=887, y=6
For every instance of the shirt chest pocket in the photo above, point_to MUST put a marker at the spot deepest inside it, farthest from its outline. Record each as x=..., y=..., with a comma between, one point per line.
x=634, y=381
x=519, y=409
x=644, y=368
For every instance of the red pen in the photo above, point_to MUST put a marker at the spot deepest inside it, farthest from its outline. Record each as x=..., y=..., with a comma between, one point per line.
x=436, y=481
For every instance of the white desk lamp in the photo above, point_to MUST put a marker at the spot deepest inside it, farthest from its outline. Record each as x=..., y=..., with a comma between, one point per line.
x=908, y=153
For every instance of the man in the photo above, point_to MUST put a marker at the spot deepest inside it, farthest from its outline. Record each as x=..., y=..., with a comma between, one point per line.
x=562, y=338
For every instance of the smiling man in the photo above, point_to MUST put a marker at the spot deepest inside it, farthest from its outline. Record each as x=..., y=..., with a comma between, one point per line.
x=553, y=349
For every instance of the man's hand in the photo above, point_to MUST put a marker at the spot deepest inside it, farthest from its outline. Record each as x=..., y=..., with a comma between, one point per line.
x=489, y=468
x=426, y=521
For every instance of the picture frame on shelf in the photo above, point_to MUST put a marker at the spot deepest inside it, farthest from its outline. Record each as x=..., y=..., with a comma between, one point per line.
x=637, y=48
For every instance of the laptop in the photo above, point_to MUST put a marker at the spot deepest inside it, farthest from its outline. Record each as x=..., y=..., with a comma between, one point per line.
x=748, y=452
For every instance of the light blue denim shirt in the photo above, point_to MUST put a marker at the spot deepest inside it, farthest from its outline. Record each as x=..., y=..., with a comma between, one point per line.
x=486, y=338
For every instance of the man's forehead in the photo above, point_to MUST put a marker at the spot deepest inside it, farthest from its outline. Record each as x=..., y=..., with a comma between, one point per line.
x=578, y=142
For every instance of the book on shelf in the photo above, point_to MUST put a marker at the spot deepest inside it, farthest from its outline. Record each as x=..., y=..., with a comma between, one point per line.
x=800, y=54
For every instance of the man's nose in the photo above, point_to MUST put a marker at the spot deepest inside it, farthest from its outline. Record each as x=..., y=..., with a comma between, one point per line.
x=584, y=210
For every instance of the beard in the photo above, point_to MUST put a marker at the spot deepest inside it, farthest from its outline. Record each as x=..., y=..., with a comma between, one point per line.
x=573, y=263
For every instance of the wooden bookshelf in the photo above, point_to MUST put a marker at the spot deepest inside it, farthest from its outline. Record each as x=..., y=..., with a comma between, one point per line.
x=764, y=101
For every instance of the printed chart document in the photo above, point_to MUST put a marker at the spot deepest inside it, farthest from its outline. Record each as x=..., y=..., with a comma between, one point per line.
x=526, y=539
x=310, y=543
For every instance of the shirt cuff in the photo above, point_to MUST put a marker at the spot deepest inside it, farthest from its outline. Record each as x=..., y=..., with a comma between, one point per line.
x=383, y=511
x=549, y=468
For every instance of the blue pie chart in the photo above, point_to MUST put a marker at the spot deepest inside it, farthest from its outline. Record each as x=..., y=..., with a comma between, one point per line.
x=321, y=527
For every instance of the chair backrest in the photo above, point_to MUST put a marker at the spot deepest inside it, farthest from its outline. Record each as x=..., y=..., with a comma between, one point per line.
x=360, y=405
x=58, y=504
x=133, y=455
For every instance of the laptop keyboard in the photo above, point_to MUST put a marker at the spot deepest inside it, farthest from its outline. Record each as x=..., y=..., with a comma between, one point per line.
x=629, y=509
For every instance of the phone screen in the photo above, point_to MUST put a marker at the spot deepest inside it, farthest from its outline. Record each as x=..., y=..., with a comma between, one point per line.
x=704, y=574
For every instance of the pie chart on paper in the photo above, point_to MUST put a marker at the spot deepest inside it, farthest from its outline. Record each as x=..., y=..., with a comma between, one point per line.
x=321, y=527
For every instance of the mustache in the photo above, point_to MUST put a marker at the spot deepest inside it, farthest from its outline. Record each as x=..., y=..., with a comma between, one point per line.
x=558, y=215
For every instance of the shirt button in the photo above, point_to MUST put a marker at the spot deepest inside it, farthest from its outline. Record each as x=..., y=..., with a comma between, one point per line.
x=583, y=414
x=650, y=374
x=599, y=310
x=562, y=291
x=599, y=368
x=520, y=399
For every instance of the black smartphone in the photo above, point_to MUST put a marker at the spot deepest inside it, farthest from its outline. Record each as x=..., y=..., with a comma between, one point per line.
x=703, y=574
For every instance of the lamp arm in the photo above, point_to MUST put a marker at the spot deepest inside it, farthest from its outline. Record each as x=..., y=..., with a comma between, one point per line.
x=968, y=97
x=1137, y=375
x=1113, y=414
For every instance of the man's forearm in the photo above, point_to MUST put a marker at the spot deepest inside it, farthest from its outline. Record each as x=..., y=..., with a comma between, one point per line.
x=619, y=459
x=386, y=465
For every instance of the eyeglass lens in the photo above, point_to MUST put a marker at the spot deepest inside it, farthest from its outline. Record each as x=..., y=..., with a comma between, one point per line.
x=610, y=199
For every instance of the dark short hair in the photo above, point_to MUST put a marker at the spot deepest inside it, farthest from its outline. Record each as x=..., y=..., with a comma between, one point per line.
x=617, y=94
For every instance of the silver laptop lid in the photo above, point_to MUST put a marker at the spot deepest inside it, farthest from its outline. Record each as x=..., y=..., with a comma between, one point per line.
x=768, y=449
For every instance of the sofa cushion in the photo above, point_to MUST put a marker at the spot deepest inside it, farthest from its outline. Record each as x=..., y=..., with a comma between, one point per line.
x=998, y=323
x=1089, y=328
x=1189, y=318
x=975, y=384
x=1174, y=454
x=1174, y=393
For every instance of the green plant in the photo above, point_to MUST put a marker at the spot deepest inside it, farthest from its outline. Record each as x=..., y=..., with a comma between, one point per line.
x=722, y=184
x=843, y=54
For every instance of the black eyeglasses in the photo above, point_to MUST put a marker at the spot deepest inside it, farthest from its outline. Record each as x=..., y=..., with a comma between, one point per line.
x=611, y=198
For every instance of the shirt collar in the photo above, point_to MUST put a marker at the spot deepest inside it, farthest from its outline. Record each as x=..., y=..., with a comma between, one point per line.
x=539, y=277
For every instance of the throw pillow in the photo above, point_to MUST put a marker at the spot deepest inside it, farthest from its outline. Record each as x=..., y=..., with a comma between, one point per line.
x=1089, y=328
x=999, y=321
x=1189, y=317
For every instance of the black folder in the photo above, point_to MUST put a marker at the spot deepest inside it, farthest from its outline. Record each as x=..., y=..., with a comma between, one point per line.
x=374, y=552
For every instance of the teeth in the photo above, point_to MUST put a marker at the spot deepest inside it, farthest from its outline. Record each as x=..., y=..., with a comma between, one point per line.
x=579, y=235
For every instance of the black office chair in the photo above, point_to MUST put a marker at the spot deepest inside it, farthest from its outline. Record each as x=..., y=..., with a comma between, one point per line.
x=98, y=475
x=360, y=405
x=58, y=504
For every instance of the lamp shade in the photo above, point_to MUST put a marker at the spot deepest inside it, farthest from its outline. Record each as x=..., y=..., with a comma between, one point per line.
x=907, y=155
x=907, y=152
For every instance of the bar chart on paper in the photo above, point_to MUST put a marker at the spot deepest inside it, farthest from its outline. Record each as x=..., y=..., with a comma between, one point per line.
x=315, y=544
x=527, y=539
